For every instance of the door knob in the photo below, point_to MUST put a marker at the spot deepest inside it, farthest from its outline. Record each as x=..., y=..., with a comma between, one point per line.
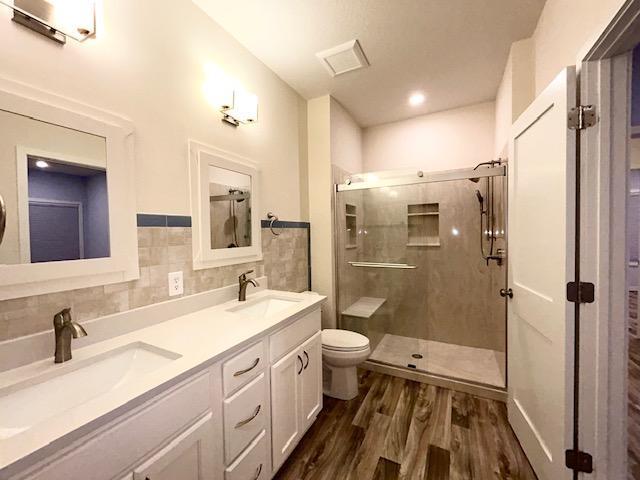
x=506, y=292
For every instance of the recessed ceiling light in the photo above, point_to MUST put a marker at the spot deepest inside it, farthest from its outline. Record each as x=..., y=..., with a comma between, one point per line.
x=416, y=99
x=41, y=164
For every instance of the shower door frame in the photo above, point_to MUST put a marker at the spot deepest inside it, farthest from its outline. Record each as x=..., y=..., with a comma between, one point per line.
x=388, y=179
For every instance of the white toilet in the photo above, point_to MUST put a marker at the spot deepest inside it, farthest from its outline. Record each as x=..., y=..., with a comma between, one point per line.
x=342, y=351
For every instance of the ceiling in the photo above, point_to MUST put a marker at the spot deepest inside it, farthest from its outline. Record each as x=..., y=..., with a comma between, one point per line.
x=452, y=50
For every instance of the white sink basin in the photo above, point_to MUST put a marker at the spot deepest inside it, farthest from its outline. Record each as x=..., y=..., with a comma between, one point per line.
x=73, y=383
x=264, y=306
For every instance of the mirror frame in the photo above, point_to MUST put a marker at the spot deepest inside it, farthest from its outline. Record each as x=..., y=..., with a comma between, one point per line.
x=201, y=156
x=21, y=280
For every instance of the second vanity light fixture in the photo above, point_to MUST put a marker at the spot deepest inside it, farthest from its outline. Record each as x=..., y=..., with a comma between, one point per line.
x=56, y=19
x=236, y=104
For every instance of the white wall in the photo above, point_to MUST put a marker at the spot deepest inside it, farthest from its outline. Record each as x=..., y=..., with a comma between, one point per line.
x=564, y=27
x=458, y=138
x=346, y=139
x=515, y=93
x=320, y=200
x=147, y=64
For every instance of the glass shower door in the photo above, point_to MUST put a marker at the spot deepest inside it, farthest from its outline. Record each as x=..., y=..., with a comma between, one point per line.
x=412, y=275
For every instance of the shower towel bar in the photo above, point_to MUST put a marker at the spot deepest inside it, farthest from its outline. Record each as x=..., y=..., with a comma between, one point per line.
x=383, y=265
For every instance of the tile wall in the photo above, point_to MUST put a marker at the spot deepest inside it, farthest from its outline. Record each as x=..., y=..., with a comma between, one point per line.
x=161, y=250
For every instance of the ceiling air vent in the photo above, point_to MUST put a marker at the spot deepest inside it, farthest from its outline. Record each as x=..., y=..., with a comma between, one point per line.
x=343, y=58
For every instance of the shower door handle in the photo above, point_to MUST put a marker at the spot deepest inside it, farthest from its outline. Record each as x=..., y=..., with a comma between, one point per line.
x=506, y=292
x=3, y=217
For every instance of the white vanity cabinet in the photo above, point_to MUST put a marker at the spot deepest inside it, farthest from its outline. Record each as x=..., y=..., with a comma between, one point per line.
x=238, y=419
x=296, y=385
x=187, y=457
x=172, y=432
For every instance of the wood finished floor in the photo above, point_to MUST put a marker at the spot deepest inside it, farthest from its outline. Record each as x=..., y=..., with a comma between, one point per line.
x=400, y=429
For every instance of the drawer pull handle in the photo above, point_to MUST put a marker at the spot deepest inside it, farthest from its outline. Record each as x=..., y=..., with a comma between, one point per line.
x=255, y=414
x=307, y=357
x=258, y=472
x=301, y=365
x=242, y=372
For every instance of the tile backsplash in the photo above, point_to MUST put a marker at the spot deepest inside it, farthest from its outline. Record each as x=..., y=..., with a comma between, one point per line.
x=161, y=250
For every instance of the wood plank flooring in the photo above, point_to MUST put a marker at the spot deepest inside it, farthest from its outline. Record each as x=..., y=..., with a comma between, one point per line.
x=400, y=429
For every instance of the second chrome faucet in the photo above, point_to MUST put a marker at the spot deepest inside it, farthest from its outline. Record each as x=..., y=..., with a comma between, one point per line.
x=65, y=329
x=243, y=283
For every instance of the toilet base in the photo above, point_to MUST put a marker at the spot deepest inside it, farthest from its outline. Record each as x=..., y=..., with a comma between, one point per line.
x=340, y=382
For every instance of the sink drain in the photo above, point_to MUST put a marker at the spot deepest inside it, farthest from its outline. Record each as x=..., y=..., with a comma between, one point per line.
x=416, y=355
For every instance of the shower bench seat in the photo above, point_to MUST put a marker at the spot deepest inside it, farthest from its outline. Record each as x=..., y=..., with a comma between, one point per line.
x=364, y=307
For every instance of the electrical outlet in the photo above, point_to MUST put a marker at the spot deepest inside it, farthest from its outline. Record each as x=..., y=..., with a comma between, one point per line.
x=176, y=286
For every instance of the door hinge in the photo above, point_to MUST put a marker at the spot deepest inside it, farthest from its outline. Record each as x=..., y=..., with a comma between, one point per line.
x=582, y=293
x=581, y=117
x=578, y=461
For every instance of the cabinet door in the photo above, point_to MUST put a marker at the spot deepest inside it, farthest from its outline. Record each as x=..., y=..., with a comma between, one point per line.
x=311, y=380
x=189, y=456
x=285, y=406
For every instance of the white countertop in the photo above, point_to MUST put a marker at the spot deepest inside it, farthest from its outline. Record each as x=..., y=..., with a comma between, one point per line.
x=201, y=338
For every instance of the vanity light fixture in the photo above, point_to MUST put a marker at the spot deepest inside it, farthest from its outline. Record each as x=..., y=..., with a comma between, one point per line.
x=225, y=95
x=416, y=99
x=244, y=109
x=56, y=19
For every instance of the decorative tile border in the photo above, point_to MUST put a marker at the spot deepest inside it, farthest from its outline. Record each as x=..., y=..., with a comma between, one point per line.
x=155, y=220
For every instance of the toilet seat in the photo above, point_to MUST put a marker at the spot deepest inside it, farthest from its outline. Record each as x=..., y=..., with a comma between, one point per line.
x=343, y=341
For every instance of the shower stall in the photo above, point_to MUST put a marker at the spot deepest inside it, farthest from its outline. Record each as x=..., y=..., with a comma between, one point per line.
x=421, y=270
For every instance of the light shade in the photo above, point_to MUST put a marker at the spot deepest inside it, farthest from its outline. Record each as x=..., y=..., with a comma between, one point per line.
x=245, y=107
x=217, y=88
x=73, y=18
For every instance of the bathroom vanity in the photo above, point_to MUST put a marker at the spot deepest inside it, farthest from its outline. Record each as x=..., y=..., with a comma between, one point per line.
x=224, y=392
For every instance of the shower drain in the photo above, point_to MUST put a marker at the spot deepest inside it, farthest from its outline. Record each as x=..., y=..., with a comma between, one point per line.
x=416, y=355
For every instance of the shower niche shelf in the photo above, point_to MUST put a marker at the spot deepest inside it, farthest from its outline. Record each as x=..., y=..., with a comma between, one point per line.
x=351, y=225
x=423, y=225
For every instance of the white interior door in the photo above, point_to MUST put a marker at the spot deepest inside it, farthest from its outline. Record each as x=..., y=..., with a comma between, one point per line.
x=541, y=249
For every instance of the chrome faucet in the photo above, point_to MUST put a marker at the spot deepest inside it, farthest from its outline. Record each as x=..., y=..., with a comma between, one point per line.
x=243, y=282
x=65, y=329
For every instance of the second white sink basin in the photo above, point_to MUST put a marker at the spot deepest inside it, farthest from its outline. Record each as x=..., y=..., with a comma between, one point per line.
x=71, y=384
x=264, y=306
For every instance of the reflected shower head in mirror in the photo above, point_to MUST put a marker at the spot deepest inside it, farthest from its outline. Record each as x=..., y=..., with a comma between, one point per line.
x=474, y=180
x=237, y=191
x=480, y=197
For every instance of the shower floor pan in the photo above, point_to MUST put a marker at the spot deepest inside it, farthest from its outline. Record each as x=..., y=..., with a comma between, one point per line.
x=477, y=365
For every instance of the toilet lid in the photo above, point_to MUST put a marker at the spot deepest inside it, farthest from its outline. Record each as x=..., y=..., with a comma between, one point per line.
x=344, y=340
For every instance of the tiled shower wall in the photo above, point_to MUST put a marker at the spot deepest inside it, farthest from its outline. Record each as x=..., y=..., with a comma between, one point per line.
x=452, y=296
x=161, y=250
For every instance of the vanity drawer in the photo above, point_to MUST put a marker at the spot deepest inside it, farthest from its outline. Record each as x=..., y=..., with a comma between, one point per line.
x=243, y=367
x=252, y=463
x=290, y=337
x=125, y=442
x=244, y=417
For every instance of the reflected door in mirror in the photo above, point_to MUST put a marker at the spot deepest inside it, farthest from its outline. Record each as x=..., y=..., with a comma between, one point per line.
x=54, y=182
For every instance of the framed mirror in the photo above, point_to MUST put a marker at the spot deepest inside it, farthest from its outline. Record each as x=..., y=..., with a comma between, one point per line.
x=225, y=199
x=66, y=181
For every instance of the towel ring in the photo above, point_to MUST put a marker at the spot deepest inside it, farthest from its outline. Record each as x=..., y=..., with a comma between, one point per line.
x=273, y=218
